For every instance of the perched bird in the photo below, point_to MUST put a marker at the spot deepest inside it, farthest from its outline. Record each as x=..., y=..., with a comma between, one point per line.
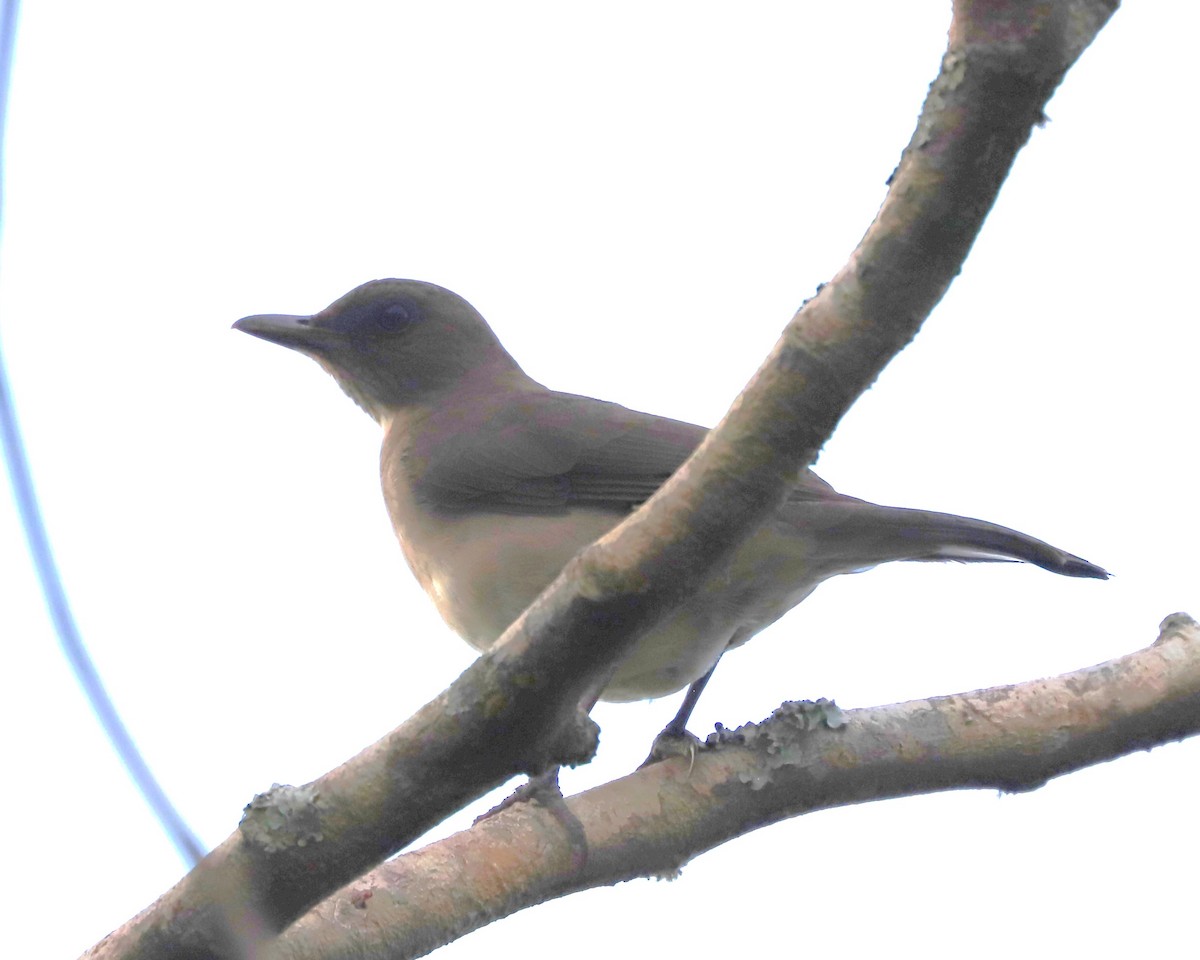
x=493, y=482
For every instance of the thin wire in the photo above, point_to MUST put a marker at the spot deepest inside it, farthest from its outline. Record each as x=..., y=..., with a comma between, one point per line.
x=43, y=558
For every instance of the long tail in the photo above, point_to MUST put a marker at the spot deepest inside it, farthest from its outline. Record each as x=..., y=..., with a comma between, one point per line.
x=879, y=534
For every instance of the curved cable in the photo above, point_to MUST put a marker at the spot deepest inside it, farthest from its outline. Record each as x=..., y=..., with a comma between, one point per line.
x=185, y=841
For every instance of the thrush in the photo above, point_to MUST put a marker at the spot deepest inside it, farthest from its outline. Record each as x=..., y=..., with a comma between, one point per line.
x=493, y=482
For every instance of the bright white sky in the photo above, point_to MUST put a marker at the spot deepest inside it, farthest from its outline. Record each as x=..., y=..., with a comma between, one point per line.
x=637, y=196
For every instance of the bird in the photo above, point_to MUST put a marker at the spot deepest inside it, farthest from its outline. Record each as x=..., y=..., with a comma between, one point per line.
x=493, y=482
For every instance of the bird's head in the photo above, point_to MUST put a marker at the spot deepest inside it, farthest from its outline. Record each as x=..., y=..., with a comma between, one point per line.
x=392, y=343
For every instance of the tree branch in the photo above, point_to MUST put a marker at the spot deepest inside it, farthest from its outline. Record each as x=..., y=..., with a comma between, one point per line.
x=651, y=823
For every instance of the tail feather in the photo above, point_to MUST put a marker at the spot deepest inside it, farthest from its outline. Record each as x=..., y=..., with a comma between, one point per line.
x=1026, y=548
x=879, y=534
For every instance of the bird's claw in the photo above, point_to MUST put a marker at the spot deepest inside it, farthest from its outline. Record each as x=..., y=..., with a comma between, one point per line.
x=542, y=789
x=673, y=743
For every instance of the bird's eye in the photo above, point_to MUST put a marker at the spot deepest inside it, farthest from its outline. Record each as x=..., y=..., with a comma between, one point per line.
x=395, y=316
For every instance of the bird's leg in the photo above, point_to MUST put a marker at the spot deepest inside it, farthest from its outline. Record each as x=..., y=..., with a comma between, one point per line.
x=678, y=726
x=668, y=742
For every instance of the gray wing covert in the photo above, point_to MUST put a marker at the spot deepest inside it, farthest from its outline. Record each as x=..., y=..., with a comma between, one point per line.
x=543, y=452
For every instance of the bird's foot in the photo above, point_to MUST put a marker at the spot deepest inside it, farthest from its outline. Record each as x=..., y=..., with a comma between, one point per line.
x=673, y=742
x=542, y=789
